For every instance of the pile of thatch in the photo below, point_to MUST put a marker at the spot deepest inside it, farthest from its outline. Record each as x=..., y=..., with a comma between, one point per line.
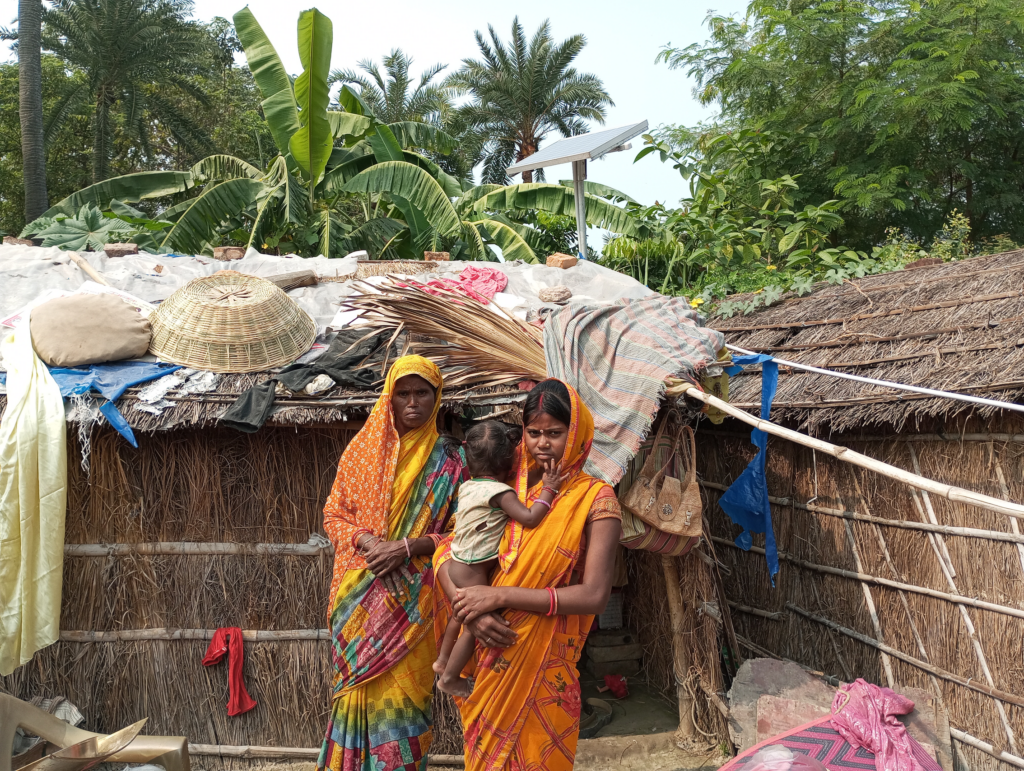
x=956, y=327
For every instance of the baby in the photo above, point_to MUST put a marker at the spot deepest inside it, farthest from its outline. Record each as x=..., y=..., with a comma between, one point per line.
x=486, y=502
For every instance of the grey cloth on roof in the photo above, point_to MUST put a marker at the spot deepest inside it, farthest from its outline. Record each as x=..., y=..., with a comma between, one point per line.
x=88, y=329
x=251, y=410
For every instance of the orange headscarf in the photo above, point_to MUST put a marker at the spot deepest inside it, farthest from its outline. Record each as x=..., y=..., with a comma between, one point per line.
x=378, y=470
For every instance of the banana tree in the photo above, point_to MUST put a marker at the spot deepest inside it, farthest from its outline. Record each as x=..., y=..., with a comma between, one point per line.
x=342, y=180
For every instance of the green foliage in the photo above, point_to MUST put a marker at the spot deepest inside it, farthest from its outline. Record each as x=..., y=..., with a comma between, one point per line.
x=522, y=91
x=391, y=96
x=91, y=229
x=158, y=53
x=68, y=152
x=902, y=111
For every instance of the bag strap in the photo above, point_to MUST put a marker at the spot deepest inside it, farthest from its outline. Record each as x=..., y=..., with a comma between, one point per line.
x=671, y=455
x=691, y=473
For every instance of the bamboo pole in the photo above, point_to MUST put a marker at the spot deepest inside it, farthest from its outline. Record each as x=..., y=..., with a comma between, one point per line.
x=995, y=693
x=869, y=601
x=884, y=546
x=86, y=268
x=957, y=599
x=966, y=532
x=194, y=548
x=770, y=615
x=951, y=492
x=302, y=753
x=1005, y=491
x=947, y=569
x=135, y=635
x=680, y=648
x=978, y=744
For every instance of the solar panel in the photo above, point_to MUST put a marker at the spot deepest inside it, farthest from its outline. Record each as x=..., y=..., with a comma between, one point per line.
x=583, y=147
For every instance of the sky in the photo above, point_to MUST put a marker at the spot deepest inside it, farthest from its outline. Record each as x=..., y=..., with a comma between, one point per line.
x=622, y=43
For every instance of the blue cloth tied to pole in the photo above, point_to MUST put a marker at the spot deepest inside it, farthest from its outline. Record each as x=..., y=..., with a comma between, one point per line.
x=111, y=381
x=746, y=500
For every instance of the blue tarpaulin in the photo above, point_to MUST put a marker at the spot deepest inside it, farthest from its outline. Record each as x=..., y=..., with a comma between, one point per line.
x=746, y=500
x=111, y=381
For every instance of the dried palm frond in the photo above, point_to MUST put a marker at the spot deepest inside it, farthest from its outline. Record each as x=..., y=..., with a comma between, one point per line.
x=474, y=345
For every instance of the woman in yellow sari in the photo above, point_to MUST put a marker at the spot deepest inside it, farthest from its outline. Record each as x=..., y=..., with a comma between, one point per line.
x=395, y=490
x=524, y=710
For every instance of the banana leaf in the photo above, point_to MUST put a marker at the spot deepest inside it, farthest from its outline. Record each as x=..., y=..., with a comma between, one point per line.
x=216, y=168
x=556, y=199
x=348, y=124
x=215, y=206
x=131, y=188
x=601, y=191
x=513, y=246
x=424, y=136
x=413, y=184
x=311, y=145
x=279, y=107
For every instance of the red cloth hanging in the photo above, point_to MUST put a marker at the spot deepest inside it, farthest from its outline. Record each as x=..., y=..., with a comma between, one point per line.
x=228, y=640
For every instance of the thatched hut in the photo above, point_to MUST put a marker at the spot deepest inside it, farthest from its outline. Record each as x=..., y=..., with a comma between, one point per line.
x=203, y=527
x=879, y=580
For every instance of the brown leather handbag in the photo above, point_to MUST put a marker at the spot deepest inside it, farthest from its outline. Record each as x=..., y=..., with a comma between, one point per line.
x=662, y=500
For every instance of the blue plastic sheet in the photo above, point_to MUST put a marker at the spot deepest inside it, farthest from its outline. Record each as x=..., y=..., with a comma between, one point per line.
x=746, y=500
x=111, y=381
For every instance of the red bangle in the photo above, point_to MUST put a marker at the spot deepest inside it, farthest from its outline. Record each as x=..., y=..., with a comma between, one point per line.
x=553, y=601
x=551, y=490
x=359, y=534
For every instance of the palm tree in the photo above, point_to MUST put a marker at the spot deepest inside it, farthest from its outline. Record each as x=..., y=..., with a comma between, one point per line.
x=133, y=52
x=390, y=94
x=30, y=107
x=523, y=91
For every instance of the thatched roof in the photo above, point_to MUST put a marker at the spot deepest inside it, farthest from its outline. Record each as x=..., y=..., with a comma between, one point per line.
x=334, y=407
x=953, y=326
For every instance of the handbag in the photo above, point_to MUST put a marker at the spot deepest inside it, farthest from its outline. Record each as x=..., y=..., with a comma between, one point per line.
x=663, y=501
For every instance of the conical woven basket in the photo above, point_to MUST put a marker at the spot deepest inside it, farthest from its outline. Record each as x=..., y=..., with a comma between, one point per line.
x=230, y=322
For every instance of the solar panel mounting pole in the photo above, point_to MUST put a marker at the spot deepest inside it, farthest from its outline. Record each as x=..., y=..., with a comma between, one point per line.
x=579, y=175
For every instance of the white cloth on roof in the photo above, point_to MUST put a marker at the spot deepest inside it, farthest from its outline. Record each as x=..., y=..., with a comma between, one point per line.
x=33, y=500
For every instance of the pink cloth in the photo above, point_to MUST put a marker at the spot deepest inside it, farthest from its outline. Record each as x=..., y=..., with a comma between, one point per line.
x=865, y=716
x=477, y=282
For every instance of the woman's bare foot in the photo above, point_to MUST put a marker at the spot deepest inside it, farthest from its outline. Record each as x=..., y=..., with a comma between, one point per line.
x=456, y=686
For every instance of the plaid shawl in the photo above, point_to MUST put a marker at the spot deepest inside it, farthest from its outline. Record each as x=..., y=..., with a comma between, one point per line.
x=618, y=357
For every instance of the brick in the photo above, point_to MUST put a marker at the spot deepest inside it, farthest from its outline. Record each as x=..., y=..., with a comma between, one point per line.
x=228, y=253
x=559, y=260
x=437, y=256
x=12, y=241
x=120, y=250
x=616, y=653
x=624, y=668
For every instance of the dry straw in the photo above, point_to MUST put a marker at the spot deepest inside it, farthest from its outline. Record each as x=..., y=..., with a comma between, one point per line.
x=230, y=322
x=474, y=345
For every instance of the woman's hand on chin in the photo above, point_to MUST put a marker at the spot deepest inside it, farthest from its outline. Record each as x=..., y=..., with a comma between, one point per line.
x=492, y=630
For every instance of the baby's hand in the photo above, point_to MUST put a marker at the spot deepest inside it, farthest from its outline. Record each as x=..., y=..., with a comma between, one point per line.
x=553, y=476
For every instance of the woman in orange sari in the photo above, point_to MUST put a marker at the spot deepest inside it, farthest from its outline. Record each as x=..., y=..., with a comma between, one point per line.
x=524, y=710
x=395, y=490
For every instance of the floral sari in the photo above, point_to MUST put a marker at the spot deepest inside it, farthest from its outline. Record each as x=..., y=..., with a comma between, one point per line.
x=524, y=711
x=382, y=646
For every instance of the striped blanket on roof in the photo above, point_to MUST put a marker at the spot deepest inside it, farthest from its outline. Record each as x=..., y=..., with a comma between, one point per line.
x=618, y=357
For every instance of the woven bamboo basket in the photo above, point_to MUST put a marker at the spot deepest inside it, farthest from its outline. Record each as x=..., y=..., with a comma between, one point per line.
x=230, y=322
